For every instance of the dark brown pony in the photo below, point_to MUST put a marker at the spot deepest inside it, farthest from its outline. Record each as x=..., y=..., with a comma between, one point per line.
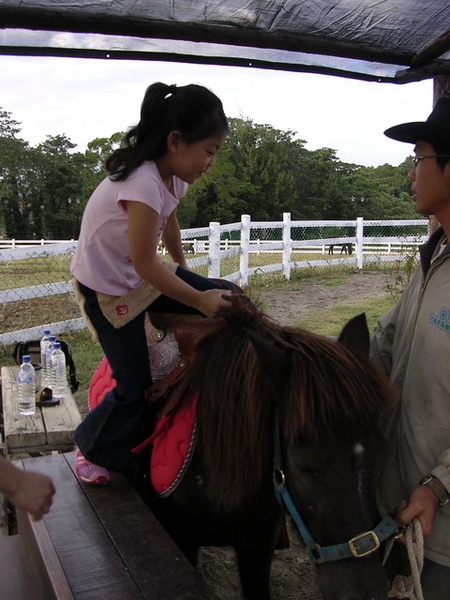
x=250, y=373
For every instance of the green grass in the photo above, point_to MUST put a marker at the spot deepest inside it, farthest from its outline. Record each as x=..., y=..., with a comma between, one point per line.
x=37, y=270
x=331, y=321
x=277, y=281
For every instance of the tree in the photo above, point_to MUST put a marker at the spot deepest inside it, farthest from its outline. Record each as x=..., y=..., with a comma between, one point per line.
x=13, y=177
x=392, y=196
x=98, y=150
x=254, y=174
x=214, y=196
x=57, y=187
x=264, y=160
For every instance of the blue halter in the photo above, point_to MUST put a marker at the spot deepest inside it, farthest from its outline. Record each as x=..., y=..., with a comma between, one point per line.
x=359, y=546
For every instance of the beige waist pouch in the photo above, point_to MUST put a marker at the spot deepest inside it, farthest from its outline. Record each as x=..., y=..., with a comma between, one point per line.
x=120, y=310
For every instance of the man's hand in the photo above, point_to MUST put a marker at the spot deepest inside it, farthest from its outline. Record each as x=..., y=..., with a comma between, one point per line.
x=422, y=505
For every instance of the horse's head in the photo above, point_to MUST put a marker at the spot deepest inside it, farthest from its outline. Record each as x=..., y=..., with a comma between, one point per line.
x=332, y=451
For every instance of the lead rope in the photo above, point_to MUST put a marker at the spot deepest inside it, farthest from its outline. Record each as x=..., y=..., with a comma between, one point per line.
x=409, y=586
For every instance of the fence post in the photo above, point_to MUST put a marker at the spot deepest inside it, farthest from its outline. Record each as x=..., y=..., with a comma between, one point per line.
x=245, y=246
x=287, y=247
x=359, y=241
x=214, y=250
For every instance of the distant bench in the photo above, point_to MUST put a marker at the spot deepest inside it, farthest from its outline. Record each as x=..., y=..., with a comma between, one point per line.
x=96, y=543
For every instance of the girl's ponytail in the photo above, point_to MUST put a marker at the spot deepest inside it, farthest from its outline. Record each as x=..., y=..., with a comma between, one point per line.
x=191, y=109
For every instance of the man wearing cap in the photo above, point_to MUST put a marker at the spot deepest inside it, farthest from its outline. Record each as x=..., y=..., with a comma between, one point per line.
x=412, y=345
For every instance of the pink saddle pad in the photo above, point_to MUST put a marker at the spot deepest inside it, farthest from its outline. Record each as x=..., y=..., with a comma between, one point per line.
x=173, y=439
x=102, y=382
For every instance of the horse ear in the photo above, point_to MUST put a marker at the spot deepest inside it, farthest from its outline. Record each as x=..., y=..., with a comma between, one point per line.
x=355, y=335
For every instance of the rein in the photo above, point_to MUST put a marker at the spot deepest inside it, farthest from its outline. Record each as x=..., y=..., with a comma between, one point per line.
x=359, y=546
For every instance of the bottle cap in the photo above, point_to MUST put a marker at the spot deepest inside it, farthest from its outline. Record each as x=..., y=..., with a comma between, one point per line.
x=52, y=338
x=47, y=331
x=26, y=358
x=56, y=345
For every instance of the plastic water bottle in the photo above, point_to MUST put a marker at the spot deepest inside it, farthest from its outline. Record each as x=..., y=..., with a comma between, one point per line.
x=58, y=372
x=26, y=382
x=46, y=375
x=44, y=346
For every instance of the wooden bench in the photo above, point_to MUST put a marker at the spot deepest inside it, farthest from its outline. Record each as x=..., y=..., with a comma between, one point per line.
x=49, y=429
x=97, y=543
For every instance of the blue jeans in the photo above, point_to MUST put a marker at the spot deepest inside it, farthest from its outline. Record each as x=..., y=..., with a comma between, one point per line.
x=122, y=419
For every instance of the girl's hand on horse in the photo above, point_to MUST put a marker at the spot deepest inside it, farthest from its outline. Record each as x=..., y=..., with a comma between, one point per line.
x=210, y=301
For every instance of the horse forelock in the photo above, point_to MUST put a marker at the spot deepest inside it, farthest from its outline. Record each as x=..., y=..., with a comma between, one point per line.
x=331, y=390
x=235, y=404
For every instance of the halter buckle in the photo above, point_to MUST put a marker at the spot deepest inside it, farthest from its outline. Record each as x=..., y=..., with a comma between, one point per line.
x=279, y=478
x=364, y=544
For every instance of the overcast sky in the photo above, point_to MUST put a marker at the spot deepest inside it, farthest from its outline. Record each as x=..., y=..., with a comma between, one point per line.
x=87, y=98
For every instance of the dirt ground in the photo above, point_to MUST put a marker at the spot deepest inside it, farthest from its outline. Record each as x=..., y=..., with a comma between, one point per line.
x=289, y=307
x=293, y=577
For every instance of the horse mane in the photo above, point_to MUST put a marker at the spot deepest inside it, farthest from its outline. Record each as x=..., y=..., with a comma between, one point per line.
x=245, y=368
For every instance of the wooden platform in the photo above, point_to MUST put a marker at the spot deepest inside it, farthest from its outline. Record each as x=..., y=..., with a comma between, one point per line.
x=97, y=543
x=49, y=429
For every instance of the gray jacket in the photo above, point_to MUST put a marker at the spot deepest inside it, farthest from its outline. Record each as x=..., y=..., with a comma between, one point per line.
x=412, y=345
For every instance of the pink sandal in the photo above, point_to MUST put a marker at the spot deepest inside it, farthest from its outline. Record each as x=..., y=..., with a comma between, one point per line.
x=87, y=472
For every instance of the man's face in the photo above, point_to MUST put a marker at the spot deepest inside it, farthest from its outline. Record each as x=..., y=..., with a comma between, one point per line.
x=430, y=185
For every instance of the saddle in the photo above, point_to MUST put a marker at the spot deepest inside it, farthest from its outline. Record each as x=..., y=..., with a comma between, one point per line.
x=171, y=340
x=171, y=346
x=176, y=337
x=184, y=330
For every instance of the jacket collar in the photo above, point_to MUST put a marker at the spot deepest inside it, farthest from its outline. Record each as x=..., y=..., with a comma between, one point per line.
x=428, y=249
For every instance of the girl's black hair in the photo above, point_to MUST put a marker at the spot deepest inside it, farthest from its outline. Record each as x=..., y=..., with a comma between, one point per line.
x=193, y=110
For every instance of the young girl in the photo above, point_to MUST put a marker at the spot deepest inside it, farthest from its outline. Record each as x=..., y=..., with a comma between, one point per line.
x=117, y=271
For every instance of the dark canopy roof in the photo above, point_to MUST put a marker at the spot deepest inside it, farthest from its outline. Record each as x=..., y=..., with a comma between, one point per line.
x=383, y=40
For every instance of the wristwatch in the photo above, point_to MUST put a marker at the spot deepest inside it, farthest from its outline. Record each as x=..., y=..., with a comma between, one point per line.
x=437, y=488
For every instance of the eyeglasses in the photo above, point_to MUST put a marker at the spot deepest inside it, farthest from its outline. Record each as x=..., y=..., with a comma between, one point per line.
x=417, y=159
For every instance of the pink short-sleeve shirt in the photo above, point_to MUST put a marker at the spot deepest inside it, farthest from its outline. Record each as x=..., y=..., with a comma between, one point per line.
x=102, y=258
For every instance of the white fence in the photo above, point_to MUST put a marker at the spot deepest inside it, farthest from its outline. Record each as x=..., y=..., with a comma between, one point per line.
x=13, y=244
x=254, y=237
x=339, y=242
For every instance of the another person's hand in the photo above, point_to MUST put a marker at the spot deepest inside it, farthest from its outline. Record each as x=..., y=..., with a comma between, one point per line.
x=32, y=492
x=422, y=505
